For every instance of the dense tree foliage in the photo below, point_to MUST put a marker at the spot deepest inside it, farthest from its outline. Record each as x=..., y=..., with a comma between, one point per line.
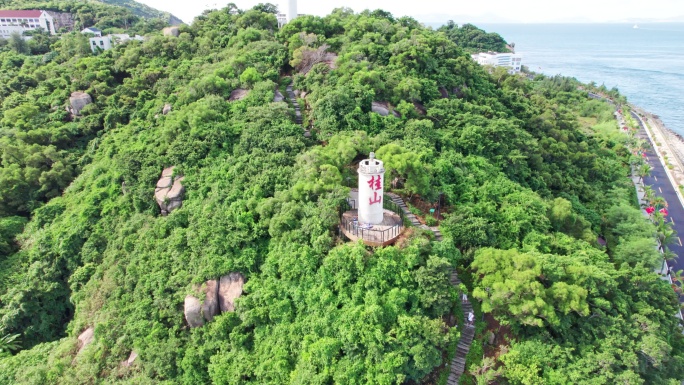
x=528, y=174
x=473, y=39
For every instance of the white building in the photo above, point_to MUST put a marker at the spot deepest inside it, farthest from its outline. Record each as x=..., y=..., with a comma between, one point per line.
x=284, y=18
x=22, y=21
x=498, y=59
x=102, y=42
x=93, y=30
x=107, y=42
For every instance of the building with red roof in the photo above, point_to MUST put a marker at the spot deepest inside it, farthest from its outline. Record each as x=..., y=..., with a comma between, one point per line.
x=20, y=21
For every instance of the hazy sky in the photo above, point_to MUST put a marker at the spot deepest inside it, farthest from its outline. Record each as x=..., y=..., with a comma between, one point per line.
x=526, y=11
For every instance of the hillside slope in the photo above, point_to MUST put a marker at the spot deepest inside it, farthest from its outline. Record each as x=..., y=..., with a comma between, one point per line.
x=133, y=6
x=526, y=174
x=145, y=11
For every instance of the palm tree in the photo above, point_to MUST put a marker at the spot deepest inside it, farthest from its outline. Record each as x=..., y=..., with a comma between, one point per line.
x=639, y=146
x=658, y=202
x=665, y=234
x=649, y=195
x=653, y=200
x=9, y=343
x=643, y=171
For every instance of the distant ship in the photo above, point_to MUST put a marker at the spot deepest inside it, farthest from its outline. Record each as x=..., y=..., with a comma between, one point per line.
x=635, y=26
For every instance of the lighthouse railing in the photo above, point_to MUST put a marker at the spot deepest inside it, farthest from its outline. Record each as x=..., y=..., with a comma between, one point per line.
x=359, y=230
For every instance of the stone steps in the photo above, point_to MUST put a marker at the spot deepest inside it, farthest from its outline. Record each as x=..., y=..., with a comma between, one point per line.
x=298, y=112
x=468, y=332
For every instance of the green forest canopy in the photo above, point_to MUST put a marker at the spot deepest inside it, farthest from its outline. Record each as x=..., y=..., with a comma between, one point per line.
x=530, y=173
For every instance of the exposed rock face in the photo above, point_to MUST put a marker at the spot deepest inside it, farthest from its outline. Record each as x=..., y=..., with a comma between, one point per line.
x=379, y=108
x=383, y=109
x=171, y=31
x=443, y=92
x=85, y=338
x=167, y=109
x=62, y=20
x=219, y=296
x=230, y=288
x=169, y=191
x=330, y=59
x=130, y=359
x=491, y=338
x=210, y=307
x=238, y=94
x=193, y=312
x=78, y=100
x=278, y=97
x=420, y=108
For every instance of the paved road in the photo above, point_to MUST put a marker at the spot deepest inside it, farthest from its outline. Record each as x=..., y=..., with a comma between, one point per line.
x=662, y=187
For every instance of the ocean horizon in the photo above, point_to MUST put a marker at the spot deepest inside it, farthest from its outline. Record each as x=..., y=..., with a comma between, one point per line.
x=646, y=63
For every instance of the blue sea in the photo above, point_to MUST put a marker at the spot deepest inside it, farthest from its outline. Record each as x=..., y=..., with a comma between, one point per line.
x=646, y=63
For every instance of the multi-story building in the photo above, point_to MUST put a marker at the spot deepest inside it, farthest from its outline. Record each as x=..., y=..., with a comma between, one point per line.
x=102, y=42
x=22, y=21
x=107, y=42
x=498, y=59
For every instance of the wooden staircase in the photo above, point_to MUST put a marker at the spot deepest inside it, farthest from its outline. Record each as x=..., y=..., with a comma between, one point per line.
x=468, y=333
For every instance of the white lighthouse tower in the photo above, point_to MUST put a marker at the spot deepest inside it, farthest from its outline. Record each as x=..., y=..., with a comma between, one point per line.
x=285, y=17
x=291, y=10
x=371, y=188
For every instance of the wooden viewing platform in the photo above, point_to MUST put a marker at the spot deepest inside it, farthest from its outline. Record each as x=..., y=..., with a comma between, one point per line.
x=382, y=234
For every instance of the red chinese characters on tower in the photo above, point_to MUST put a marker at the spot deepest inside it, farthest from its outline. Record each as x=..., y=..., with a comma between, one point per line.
x=375, y=183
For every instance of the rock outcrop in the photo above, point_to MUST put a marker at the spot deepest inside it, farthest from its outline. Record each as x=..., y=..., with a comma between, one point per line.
x=193, y=312
x=166, y=109
x=210, y=307
x=78, y=101
x=230, y=288
x=238, y=94
x=443, y=92
x=130, y=359
x=169, y=191
x=379, y=108
x=62, y=20
x=85, y=338
x=219, y=297
x=383, y=109
x=420, y=108
x=171, y=31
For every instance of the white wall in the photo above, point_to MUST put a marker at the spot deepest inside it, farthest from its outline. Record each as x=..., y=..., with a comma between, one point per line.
x=102, y=42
